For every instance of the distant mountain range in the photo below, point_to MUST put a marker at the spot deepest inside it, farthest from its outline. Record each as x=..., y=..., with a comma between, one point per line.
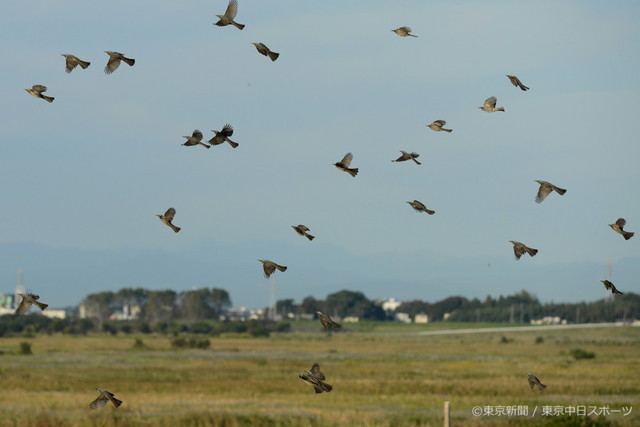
x=64, y=276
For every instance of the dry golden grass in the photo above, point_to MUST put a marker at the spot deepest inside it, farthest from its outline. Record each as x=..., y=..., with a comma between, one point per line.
x=388, y=378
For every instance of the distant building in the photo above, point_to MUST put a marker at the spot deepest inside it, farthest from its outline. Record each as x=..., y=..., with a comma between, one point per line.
x=402, y=317
x=389, y=305
x=351, y=319
x=421, y=318
x=54, y=314
x=549, y=320
x=129, y=312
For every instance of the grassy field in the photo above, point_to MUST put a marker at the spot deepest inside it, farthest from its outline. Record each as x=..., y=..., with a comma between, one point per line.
x=382, y=375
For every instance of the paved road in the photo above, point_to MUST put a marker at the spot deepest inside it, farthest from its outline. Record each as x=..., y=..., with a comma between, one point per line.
x=517, y=329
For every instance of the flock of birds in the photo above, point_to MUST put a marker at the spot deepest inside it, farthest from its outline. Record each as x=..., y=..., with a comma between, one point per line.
x=314, y=376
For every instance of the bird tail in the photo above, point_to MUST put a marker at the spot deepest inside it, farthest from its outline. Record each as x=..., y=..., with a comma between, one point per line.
x=541, y=386
x=615, y=291
x=353, y=171
x=116, y=402
x=447, y=130
x=310, y=237
x=499, y=109
x=41, y=305
x=238, y=26
x=129, y=61
x=273, y=55
x=417, y=162
x=174, y=228
x=430, y=212
x=335, y=325
x=561, y=191
x=627, y=234
x=231, y=143
x=326, y=387
x=48, y=98
x=84, y=64
x=523, y=87
x=411, y=35
x=532, y=252
x=204, y=145
x=281, y=267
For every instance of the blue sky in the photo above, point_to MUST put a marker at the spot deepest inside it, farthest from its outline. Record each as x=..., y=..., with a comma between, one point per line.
x=89, y=171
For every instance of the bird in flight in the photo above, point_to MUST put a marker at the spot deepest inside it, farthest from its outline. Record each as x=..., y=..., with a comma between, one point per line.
x=195, y=139
x=269, y=267
x=327, y=322
x=167, y=218
x=103, y=398
x=490, y=105
x=266, y=51
x=316, y=378
x=420, y=207
x=407, y=156
x=437, y=126
x=344, y=164
x=302, y=230
x=229, y=15
x=73, y=61
x=618, y=227
x=114, y=61
x=27, y=301
x=37, y=90
x=403, y=32
x=545, y=189
x=517, y=83
x=610, y=287
x=519, y=249
x=223, y=136
x=534, y=381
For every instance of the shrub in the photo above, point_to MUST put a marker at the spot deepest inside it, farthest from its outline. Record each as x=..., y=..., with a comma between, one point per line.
x=539, y=340
x=25, y=348
x=579, y=354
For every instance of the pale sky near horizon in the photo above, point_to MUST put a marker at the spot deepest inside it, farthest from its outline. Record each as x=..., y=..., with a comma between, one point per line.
x=90, y=170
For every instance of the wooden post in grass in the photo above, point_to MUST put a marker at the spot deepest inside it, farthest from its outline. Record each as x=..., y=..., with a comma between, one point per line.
x=446, y=414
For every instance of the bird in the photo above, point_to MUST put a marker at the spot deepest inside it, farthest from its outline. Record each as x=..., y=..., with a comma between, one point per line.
x=437, y=126
x=516, y=82
x=519, y=249
x=344, y=164
x=545, y=189
x=167, y=218
x=27, y=301
x=403, y=32
x=490, y=105
x=302, y=230
x=269, y=267
x=266, y=51
x=114, y=61
x=420, y=207
x=103, y=398
x=195, y=139
x=611, y=287
x=327, y=322
x=407, y=156
x=315, y=378
x=229, y=15
x=223, y=136
x=618, y=227
x=534, y=381
x=36, y=90
x=73, y=61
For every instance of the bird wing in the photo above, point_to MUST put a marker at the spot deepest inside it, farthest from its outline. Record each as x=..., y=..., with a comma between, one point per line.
x=169, y=214
x=23, y=307
x=406, y=29
x=531, y=380
x=268, y=268
x=419, y=205
x=39, y=88
x=99, y=402
x=346, y=160
x=227, y=130
x=71, y=63
x=543, y=192
x=519, y=249
x=197, y=135
x=232, y=9
x=491, y=102
x=303, y=228
x=316, y=372
x=621, y=222
x=112, y=65
x=439, y=123
x=607, y=284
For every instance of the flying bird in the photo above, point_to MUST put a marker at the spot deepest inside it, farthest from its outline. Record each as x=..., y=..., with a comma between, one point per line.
x=167, y=218
x=223, y=136
x=403, y=32
x=114, y=61
x=27, y=301
x=407, y=156
x=269, y=267
x=327, y=322
x=534, y=381
x=519, y=249
x=610, y=287
x=266, y=51
x=490, y=105
x=344, y=164
x=516, y=82
x=316, y=378
x=420, y=207
x=103, y=398
x=36, y=90
x=437, y=126
x=195, y=139
x=73, y=61
x=302, y=230
x=618, y=227
x=229, y=15
x=545, y=189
